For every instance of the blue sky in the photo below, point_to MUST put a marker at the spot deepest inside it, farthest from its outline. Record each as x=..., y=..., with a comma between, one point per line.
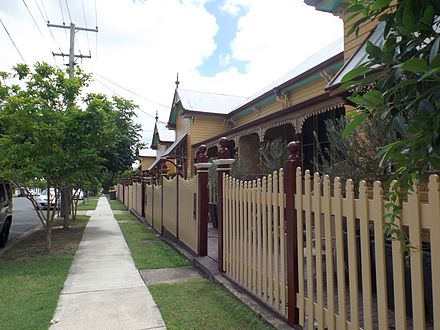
x=222, y=57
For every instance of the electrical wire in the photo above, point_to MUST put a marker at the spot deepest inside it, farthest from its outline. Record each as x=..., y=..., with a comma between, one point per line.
x=12, y=40
x=85, y=22
x=116, y=93
x=134, y=93
x=68, y=10
x=64, y=21
x=96, y=34
x=39, y=9
x=33, y=19
x=44, y=9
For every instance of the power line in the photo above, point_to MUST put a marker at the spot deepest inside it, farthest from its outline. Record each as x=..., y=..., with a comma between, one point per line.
x=62, y=16
x=96, y=36
x=10, y=37
x=68, y=10
x=114, y=92
x=126, y=89
x=35, y=22
x=85, y=22
x=44, y=9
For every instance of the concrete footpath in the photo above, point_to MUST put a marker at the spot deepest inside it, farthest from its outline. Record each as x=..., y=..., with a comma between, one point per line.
x=104, y=290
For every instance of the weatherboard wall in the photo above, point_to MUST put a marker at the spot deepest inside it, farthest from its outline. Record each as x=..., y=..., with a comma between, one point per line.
x=353, y=42
x=295, y=96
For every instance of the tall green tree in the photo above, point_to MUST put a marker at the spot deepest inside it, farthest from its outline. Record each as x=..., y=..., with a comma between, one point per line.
x=400, y=85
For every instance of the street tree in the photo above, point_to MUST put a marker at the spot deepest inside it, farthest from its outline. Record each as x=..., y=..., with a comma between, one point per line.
x=48, y=133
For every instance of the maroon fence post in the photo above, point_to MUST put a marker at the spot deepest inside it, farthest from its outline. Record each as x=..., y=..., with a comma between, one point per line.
x=223, y=163
x=290, y=166
x=202, y=167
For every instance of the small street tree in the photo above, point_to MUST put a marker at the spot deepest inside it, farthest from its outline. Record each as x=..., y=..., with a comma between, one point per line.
x=46, y=136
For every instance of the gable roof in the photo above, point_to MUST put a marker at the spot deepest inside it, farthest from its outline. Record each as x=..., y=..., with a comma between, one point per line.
x=162, y=134
x=360, y=56
x=315, y=62
x=147, y=153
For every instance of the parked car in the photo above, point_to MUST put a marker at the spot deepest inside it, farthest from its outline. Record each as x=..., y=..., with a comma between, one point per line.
x=5, y=212
x=79, y=194
x=42, y=199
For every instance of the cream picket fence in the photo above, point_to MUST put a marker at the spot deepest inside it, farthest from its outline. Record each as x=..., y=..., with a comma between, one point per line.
x=138, y=207
x=157, y=213
x=170, y=209
x=149, y=205
x=254, y=242
x=188, y=229
x=341, y=240
x=126, y=196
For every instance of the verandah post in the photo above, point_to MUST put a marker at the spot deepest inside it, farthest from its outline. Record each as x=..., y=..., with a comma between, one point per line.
x=223, y=163
x=202, y=167
x=290, y=166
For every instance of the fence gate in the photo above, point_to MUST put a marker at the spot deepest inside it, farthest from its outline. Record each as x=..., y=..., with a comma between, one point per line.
x=170, y=205
x=188, y=229
x=254, y=243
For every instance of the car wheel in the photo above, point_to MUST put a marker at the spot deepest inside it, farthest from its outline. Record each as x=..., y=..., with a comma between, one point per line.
x=4, y=233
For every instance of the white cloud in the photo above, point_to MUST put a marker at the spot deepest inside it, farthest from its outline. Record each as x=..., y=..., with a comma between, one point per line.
x=142, y=46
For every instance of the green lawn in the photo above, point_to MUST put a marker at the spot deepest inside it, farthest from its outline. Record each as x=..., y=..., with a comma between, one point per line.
x=148, y=250
x=31, y=280
x=89, y=203
x=202, y=305
x=116, y=204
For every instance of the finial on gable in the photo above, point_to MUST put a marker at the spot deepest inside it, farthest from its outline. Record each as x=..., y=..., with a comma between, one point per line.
x=157, y=116
x=177, y=81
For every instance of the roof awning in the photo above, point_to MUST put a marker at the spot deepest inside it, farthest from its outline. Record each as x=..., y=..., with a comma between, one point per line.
x=360, y=57
x=170, y=151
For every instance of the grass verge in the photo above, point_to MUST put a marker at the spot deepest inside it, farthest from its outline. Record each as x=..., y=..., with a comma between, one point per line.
x=148, y=250
x=116, y=204
x=202, y=305
x=88, y=204
x=31, y=280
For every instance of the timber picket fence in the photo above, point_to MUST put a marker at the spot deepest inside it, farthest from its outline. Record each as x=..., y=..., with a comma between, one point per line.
x=312, y=250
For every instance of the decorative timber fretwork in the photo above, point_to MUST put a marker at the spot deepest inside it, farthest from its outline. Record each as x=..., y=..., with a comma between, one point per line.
x=299, y=121
x=256, y=109
x=327, y=75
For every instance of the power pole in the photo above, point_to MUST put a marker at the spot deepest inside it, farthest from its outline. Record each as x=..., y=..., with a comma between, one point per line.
x=66, y=192
x=72, y=57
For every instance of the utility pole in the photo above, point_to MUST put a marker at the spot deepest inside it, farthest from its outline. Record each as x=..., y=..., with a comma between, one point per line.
x=66, y=192
x=72, y=57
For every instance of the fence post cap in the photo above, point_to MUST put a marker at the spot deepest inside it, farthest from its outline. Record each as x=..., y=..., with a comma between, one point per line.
x=223, y=153
x=294, y=148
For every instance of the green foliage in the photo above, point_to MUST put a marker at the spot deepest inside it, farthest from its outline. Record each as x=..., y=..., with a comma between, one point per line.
x=356, y=156
x=48, y=133
x=273, y=155
x=400, y=85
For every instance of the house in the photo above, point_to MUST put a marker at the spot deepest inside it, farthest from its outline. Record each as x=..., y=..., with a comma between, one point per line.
x=292, y=107
x=196, y=116
x=147, y=157
x=162, y=139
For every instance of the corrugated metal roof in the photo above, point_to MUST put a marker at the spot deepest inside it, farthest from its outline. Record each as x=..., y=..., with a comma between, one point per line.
x=174, y=146
x=153, y=164
x=147, y=153
x=165, y=134
x=324, y=54
x=360, y=57
x=209, y=102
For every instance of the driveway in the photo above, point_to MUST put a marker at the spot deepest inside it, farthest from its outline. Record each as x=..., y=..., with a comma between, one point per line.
x=24, y=217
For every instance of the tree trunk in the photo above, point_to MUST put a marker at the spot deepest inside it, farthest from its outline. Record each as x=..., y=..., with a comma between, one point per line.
x=49, y=236
x=66, y=194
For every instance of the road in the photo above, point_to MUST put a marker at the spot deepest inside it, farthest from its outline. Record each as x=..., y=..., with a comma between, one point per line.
x=24, y=217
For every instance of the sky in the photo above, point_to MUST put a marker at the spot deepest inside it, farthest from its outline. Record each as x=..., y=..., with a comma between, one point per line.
x=231, y=47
